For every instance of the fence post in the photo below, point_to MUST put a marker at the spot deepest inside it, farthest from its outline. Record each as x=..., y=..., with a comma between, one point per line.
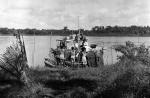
x=111, y=56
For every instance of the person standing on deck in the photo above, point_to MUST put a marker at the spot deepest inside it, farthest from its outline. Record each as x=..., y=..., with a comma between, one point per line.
x=85, y=44
x=76, y=42
x=84, y=60
x=73, y=54
x=82, y=56
x=82, y=37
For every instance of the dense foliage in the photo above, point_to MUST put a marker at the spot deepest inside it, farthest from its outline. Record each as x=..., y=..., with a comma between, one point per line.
x=95, y=31
x=134, y=53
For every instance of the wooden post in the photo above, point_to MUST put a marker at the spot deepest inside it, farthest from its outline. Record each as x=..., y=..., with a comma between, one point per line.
x=50, y=40
x=33, y=51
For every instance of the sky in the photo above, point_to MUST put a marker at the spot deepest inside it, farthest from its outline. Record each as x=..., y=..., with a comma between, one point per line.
x=55, y=14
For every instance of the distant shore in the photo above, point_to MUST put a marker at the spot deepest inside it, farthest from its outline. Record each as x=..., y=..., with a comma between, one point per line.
x=86, y=35
x=98, y=31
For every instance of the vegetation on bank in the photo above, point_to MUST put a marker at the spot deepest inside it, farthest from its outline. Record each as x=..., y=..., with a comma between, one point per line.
x=95, y=31
x=128, y=78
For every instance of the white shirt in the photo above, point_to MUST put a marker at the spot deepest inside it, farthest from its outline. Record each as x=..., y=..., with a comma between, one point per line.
x=84, y=61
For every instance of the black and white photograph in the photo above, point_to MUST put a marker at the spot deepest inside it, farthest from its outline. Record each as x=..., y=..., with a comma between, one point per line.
x=74, y=48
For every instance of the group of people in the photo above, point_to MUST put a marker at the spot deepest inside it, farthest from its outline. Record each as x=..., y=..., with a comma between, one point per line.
x=91, y=58
x=81, y=53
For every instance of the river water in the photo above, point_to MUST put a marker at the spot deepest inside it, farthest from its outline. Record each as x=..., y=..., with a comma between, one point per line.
x=42, y=45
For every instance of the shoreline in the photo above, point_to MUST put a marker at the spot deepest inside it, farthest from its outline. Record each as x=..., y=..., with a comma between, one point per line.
x=85, y=35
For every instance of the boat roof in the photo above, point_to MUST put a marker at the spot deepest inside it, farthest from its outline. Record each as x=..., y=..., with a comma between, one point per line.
x=59, y=40
x=64, y=40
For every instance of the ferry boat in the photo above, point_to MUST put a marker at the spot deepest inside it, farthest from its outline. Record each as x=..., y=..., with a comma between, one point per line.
x=74, y=51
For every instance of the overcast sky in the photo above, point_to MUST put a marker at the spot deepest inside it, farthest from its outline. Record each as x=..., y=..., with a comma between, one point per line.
x=55, y=14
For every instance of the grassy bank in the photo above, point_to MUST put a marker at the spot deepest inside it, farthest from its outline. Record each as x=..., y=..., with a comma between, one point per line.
x=115, y=81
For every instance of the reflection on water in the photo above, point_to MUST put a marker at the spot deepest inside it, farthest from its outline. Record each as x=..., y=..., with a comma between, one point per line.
x=43, y=44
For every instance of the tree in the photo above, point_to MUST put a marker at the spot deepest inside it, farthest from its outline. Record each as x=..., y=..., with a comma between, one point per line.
x=14, y=60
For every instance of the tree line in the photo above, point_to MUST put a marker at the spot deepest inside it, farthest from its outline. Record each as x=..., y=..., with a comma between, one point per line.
x=94, y=31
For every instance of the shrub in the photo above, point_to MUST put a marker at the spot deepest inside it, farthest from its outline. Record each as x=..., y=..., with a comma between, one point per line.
x=133, y=53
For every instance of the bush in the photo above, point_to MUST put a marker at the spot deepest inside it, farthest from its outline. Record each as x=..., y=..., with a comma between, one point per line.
x=133, y=53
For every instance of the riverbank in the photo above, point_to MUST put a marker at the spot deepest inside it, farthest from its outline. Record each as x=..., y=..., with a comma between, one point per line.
x=115, y=81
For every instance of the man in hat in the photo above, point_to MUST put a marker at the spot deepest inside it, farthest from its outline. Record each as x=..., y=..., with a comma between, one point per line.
x=99, y=57
x=91, y=56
